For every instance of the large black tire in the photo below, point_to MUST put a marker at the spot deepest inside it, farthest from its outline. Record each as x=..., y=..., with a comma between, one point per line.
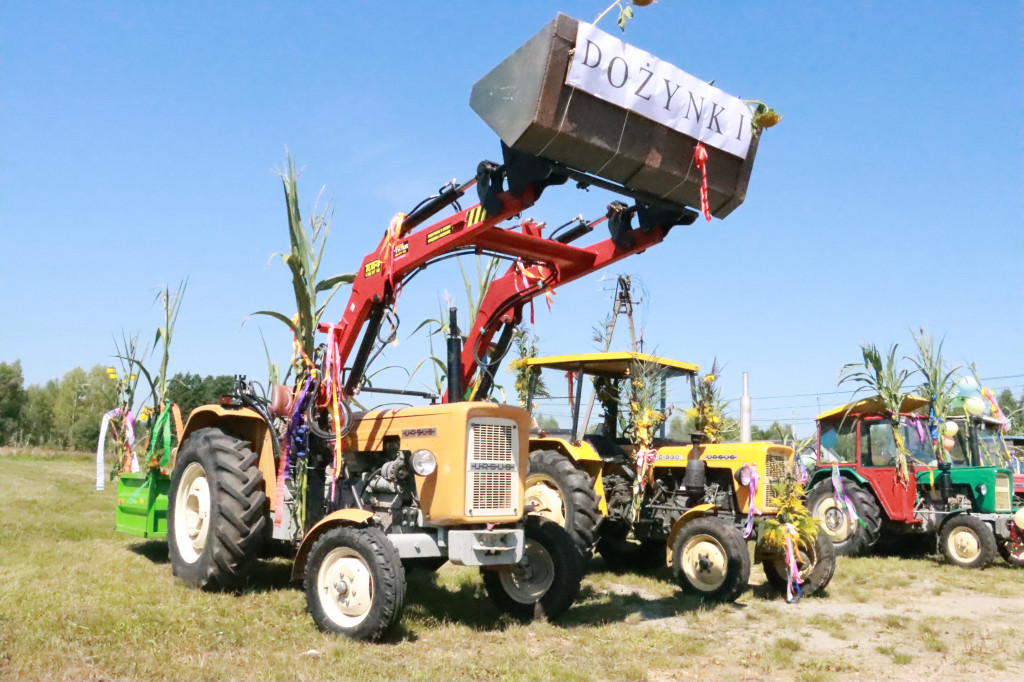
x=967, y=541
x=545, y=583
x=1012, y=552
x=816, y=567
x=355, y=583
x=710, y=558
x=623, y=554
x=849, y=537
x=216, y=511
x=561, y=492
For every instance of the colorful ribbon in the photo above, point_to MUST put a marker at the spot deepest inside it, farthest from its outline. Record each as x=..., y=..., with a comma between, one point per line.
x=700, y=155
x=841, y=499
x=528, y=279
x=996, y=410
x=644, y=460
x=295, y=445
x=335, y=394
x=752, y=510
x=793, y=580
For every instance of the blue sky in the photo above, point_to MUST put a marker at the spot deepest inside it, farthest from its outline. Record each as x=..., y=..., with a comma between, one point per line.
x=138, y=144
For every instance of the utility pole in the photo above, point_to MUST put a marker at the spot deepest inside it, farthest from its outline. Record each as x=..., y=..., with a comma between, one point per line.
x=745, y=413
x=622, y=304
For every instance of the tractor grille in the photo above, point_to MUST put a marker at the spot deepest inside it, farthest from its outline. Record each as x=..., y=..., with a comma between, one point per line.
x=1003, y=495
x=492, y=468
x=775, y=474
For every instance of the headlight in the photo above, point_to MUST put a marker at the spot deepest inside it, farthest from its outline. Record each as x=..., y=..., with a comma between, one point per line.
x=743, y=475
x=1018, y=518
x=982, y=489
x=424, y=462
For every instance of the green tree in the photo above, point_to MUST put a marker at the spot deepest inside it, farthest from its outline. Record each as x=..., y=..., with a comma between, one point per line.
x=1013, y=409
x=36, y=423
x=12, y=399
x=677, y=428
x=777, y=431
x=546, y=423
x=190, y=391
x=81, y=400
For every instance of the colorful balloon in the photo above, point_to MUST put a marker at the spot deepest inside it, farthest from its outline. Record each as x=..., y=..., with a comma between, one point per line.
x=951, y=428
x=948, y=443
x=974, y=405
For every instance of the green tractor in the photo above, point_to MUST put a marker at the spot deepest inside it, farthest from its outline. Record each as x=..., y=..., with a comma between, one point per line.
x=856, y=491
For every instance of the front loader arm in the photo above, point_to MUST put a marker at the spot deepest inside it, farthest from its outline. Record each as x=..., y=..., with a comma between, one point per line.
x=503, y=303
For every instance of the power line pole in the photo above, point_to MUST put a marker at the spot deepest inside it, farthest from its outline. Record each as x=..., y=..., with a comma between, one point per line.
x=622, y=304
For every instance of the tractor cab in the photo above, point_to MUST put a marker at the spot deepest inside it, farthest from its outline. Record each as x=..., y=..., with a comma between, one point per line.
x=609, y=372
x=979, y=442
x=859, y=438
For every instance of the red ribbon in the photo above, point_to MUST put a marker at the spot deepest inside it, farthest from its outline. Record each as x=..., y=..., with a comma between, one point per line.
x=700, y=155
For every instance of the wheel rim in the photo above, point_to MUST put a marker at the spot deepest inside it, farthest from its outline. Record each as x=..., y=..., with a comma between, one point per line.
x=705, y=563
x=192, y=513
x=964, y=544
x=545, y=497
x=530, y=579
x=834, y=520
x=345, y=587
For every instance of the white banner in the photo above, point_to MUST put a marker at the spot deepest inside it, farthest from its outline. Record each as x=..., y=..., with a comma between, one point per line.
x=626, y=76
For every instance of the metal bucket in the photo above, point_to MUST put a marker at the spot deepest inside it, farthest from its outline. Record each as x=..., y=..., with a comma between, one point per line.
x=526, y=101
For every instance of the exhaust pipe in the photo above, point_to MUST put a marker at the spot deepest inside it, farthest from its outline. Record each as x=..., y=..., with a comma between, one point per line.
x=454, y=357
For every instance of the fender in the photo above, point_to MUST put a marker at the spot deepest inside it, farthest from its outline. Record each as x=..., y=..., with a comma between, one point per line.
x=244, y=424
x=700, y=511
x=825, y=473
x=342, y=517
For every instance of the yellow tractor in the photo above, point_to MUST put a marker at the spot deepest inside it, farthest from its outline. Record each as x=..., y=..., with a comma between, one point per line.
x=696, y=511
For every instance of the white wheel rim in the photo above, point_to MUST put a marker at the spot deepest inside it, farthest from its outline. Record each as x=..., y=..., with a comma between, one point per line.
x=834, y=520
x=192, y=513
x=542, y=493
x=964, y=544
x=704, y=562
x=345, y=587
x=529, y=580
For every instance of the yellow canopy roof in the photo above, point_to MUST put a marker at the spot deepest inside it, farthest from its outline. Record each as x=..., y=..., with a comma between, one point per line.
x=611, y=365
x=873, y=405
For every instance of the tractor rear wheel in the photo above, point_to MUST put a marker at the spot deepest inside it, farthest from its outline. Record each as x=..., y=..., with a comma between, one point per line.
x=968, y=542
x=710, y=558
x=355, y=583
x=547, y=579
x=850, y=537
x=816, y=567
x=561, y=492
x=216, y=510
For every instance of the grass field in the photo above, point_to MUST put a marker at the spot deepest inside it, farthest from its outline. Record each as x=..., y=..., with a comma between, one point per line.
x=79, y=601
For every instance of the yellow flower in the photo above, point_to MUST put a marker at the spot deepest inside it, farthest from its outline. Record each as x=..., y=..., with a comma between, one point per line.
x=714, y=419
x=709, y=378
x=692, y=412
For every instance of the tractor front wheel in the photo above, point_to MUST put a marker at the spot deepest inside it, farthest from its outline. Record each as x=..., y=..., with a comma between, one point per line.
x=1012, y=551
x=355, y=583
x=710, y=558
x=559, y=491
x=848, y=535
x=968, y=542
x=216, y=510
x=816, y=566
x=545, y=581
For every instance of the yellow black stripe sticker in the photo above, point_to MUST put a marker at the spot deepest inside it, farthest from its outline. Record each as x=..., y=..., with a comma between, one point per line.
x=440, y=232
x=372, y=268
x=476, y=214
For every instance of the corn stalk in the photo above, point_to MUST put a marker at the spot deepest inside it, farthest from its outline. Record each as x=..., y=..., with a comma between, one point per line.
x=307, y=242
x=886, y=380
x=937, y=385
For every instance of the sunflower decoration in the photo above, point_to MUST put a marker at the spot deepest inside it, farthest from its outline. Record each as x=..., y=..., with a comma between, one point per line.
x=643, y=391
x=763, y=116
x=791, y=511
x=708, y=411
